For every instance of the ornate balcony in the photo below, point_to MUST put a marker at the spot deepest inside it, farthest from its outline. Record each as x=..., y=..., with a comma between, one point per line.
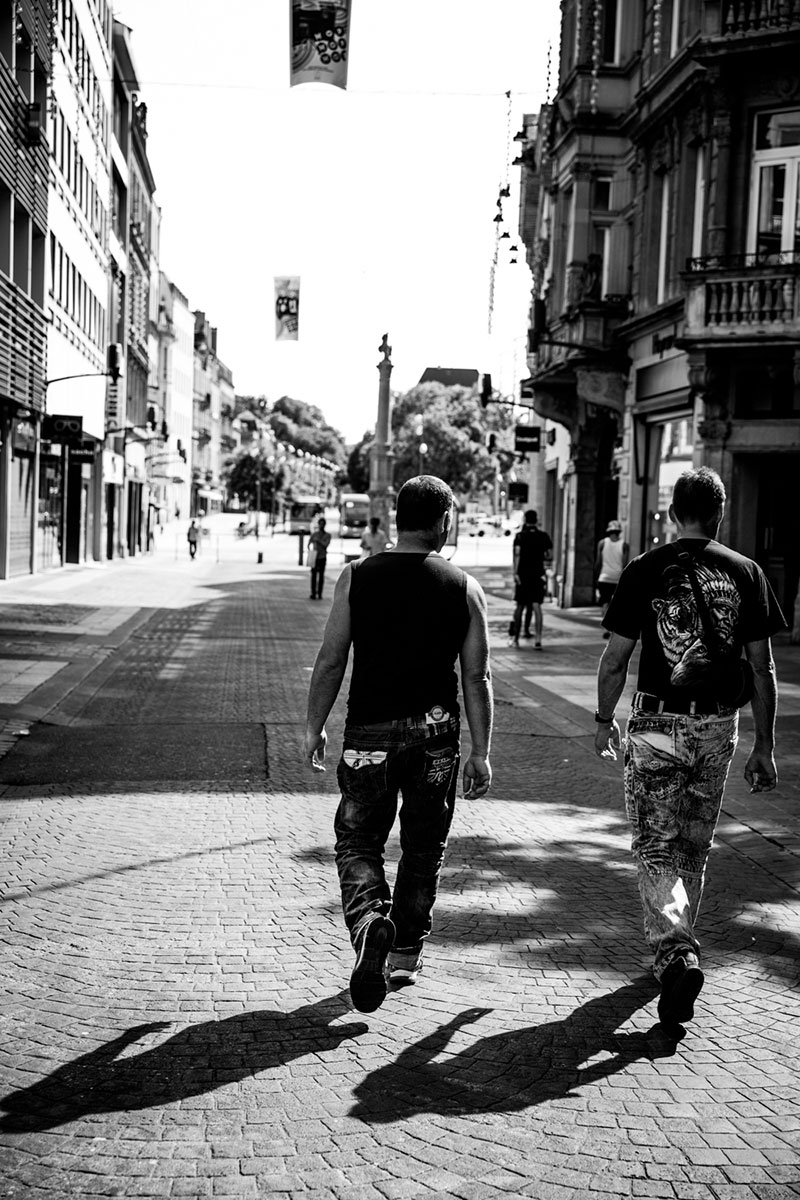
x=744, y=296
x=742, y=17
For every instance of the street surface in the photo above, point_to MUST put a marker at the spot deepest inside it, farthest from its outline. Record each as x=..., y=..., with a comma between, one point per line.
x=176, y=1019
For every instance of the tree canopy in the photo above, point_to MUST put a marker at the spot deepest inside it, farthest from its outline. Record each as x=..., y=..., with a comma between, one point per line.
x=304, y=425
x=454, y=428
x=243, y=475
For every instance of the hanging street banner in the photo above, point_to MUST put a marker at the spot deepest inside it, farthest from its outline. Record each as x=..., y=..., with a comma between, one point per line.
x=287, y=308
x=320, y=42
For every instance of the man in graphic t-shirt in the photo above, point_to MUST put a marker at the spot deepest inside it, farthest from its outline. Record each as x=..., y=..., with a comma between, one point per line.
x=680, y=736
x=532, y=549
x=408, y=614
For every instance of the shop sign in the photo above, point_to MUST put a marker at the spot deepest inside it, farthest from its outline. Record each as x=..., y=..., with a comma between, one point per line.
x=60, y=427
x=84, y=453
x=528, y=439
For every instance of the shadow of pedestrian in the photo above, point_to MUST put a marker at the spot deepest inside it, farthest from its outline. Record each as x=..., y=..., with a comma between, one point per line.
x=508, y=1072
x=197, y=1060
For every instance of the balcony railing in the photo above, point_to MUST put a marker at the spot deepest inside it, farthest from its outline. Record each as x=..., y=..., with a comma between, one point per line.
x=759, y=16
x=743, y=294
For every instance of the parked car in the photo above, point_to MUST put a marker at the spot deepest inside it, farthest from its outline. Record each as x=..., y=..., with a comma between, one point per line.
x=511, y=524
x=477, y=524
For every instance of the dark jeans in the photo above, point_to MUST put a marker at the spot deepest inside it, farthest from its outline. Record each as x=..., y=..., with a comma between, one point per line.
x=420, y=760
x=317, y=577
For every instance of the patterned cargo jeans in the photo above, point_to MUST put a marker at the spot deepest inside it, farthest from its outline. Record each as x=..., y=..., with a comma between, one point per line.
x=419, y=758
x=675, y=772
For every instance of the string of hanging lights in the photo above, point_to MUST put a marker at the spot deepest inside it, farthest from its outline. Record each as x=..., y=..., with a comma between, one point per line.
x=597, y=26
x=504, y=194
x=657, y=16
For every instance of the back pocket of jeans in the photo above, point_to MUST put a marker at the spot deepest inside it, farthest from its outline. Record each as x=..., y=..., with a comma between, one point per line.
x=362, y=774
x=440, y=766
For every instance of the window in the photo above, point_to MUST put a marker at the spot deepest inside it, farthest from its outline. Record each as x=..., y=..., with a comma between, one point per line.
x=6, y=205
x=698, y=222
x=675, y=29
x=601, y=236
x=7, y=32
x=663, y=241
x=611, y=32
x=774, y=228
x=601, y=194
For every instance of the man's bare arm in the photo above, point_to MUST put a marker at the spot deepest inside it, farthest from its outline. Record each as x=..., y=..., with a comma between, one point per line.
x=328, y=673
x=611, y=676
x=760, y=771
x=476, y=684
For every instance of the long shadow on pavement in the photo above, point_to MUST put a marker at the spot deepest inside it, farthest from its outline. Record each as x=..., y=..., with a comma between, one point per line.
x=197, y=1060
x=508, y=1072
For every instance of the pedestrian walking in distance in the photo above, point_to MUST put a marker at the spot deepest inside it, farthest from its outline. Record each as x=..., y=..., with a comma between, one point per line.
x=318, y=557
x=532, y=549
x=695, y=604
x=610, y=560
x=408, y=614
x=192, y=537
x=374, y=540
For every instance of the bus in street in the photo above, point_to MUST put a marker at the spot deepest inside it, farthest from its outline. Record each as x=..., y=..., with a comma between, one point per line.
x=303, y=512
x=353, y=514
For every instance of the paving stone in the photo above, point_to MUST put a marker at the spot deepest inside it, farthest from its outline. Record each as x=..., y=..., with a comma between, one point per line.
x=175, y=968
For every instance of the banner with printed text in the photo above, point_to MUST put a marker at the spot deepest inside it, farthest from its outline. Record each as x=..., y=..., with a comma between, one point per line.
x=287, y=308
x=320, y=41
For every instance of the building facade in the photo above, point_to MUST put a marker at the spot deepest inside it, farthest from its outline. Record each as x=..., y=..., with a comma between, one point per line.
x=133, y=310
x=168, y=463
x=665, y=250
x=26, y=34
x=71, y=465
x=213, y=385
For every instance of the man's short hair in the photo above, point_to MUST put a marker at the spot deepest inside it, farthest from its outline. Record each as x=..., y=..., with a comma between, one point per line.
x=422, y=502
x=531, y=517
x=699, y=495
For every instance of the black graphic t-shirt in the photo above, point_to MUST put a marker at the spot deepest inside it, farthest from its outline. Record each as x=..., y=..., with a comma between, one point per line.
x=533, y=544
x=654, y=601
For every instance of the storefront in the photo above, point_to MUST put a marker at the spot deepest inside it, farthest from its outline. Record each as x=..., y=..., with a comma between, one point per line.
x=19, y=468
x=662, y=428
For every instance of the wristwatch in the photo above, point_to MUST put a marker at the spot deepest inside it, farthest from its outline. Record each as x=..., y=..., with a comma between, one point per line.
x=603, y=720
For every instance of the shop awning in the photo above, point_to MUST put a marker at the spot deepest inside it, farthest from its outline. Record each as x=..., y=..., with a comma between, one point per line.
x=210, y=494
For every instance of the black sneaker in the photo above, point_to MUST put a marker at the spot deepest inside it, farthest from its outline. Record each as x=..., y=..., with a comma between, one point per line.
x=368, y=981
x=680, y=987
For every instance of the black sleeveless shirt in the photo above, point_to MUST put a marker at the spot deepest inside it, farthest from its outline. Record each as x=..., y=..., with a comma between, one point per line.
x=409, y=618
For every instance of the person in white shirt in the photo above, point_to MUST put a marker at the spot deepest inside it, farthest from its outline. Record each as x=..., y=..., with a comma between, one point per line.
x=374, y=540
x=611, y=558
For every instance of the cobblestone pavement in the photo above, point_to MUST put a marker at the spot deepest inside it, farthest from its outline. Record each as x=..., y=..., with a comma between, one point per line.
x=175, y=1018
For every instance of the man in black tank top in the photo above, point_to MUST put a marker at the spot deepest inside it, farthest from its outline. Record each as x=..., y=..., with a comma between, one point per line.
x=408, y=614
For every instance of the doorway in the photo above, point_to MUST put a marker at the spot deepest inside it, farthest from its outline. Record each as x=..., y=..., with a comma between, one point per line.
x=777, y=547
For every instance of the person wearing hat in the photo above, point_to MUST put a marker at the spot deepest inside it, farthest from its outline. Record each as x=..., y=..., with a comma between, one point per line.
x=611, y=558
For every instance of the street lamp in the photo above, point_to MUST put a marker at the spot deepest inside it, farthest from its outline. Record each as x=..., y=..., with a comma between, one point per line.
x=423, y=450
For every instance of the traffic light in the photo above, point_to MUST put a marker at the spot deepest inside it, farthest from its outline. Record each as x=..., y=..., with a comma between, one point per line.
x=486, y=390
x=114, y=361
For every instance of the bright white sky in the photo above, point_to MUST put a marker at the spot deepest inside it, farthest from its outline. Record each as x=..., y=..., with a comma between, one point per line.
x=381, y=198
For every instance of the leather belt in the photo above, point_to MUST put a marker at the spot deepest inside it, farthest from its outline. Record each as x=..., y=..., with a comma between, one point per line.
x=682, y=705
